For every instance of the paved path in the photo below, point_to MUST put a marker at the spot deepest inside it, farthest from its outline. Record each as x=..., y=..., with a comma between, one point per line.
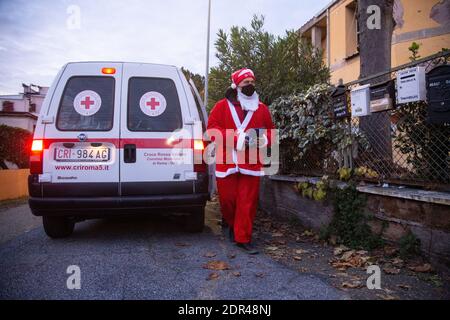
x=140, y=258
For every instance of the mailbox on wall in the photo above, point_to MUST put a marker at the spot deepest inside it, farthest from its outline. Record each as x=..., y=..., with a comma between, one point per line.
x=382, y=96
x=438, y=94
x=339, y=103
x=411, y=85
x=360, y=101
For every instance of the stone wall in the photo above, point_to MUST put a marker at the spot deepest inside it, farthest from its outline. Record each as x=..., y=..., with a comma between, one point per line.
x=426, y=214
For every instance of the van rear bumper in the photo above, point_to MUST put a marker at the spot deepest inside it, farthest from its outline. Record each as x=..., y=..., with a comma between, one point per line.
x=104, y=206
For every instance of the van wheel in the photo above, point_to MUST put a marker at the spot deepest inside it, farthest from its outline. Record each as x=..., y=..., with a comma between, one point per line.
x=195, y=222
x=58, y=227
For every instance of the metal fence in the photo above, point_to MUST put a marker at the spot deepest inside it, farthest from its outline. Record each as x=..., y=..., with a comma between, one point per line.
x=402, y=147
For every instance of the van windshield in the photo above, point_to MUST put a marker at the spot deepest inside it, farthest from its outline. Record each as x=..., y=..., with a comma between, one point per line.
x=87, y=104
x=153, y=105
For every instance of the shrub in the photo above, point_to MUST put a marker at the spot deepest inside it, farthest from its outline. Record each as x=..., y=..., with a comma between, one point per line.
x=15, y=145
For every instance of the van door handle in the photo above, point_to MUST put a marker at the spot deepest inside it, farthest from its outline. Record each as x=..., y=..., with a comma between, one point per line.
x=129, y=153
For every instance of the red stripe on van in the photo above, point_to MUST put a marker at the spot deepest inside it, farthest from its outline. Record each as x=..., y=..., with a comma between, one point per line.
x=158, y=143
x=48, y=142
x=140, y=143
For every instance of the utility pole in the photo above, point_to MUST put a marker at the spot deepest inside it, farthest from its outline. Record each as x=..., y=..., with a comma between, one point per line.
x=207, y=55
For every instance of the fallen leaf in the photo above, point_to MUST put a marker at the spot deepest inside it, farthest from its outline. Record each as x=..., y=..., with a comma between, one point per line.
x=341, y=266
x=231, y=256
x=213, y=276
x=260, y=274
x=423, y=268
x=397, y=262
x=182, y=244
x=307, y=233
x=298, y=258
x=352, y=285
x=337, y=251
x=216, y=265
x=236, y=274
x=386, y=297
x=209, y=255
x=277, y=234
x=390, y=251
x=303, y=270
x=271, y=248
x=342, y=274
x=281, y=242
x=391, y=270
x=347, y=255
x=404, y=286
x=362, y=252
x=300, y=251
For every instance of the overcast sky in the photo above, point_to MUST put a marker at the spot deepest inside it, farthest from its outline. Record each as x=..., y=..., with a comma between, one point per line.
x=38, y=37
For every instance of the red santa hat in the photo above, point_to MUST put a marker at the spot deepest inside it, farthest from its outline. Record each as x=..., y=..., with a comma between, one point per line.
x=241, y=74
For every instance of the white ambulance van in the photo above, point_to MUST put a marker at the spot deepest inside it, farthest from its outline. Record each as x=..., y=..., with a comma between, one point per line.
x=117, y=137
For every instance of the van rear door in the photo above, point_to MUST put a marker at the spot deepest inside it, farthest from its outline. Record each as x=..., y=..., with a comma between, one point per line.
x=156, y=149
x=81, y=134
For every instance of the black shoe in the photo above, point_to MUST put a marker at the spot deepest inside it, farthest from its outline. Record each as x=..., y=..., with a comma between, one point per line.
x=231, y=234
x=248, y=247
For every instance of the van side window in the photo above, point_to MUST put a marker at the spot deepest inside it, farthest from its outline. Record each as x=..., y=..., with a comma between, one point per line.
x=153, y=105
x=199, y=109
x=87, y=104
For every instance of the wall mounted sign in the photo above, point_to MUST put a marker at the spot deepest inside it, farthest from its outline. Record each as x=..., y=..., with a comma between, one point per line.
x=339, y=103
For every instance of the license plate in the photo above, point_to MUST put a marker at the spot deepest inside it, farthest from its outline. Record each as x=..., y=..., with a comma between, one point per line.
x=82, y=154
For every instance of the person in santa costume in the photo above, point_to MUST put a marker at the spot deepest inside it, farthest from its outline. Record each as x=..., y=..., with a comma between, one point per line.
x=244, y=123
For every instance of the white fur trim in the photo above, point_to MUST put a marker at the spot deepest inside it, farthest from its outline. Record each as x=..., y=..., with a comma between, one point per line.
x=245, y=71
x=259, y=173
x=240, y=141
x=221, y=174
x=240, y=126
x=248, y=103
x=233, y=86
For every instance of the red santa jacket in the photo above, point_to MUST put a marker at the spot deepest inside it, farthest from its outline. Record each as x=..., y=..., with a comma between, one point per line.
x=228, y=118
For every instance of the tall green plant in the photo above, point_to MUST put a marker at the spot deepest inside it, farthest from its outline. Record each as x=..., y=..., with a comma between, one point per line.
x=308, y=133
x=282, y=65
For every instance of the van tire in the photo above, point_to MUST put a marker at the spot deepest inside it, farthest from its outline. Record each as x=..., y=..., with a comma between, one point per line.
x=58, y=227
x=195, y=222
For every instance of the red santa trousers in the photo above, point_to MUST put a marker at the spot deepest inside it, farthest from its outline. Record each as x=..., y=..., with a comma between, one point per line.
x=238, y=196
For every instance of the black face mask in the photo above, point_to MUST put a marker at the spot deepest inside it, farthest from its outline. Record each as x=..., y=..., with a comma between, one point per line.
x=248, y=90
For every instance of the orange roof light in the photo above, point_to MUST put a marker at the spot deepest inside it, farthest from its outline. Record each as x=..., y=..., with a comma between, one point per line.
x=38, y=145
x=108, y=70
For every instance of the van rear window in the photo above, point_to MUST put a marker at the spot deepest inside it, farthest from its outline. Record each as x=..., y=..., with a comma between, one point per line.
x=153, y=105
x=87, y=104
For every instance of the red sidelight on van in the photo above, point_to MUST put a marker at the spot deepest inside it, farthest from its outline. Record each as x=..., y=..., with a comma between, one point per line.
x=36, y=156
x=199, y=162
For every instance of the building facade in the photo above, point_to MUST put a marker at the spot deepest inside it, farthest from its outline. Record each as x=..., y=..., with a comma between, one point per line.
x=335, y=30
x=22, y=110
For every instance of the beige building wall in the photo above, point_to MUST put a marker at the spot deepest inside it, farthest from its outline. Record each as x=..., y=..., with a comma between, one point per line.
x=426, y=22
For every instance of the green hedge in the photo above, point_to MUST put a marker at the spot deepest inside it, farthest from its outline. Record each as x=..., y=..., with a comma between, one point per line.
x=15, y=145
